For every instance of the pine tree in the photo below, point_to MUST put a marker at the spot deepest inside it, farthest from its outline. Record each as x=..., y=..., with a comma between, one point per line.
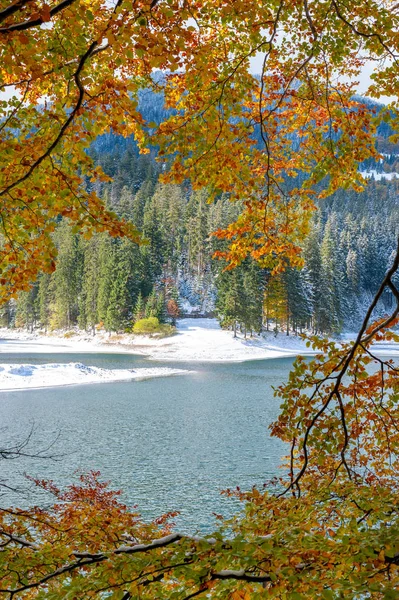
x=26, y=313
x=331, y=315
x=7, y=314
x=105, y=278
x=89, y=311
x=314, y=268
x=154, y=251
x=151, y=305
x=65, y=279
x=276, y=307
x=44, y=301
x=197, y=230
x=139, y=309
x=254, y=288
x=143, y=196
x=231, y=299
x=298, y=296
x=124, y=287
x=160, y=308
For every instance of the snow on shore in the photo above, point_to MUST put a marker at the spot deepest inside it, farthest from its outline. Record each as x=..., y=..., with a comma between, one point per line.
x=17, y=377
x=379, y=348
x=378, y=176
x=195, y=340
x=204, y=340
x=200, y=340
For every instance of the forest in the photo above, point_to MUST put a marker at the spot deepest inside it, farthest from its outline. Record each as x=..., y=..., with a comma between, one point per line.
x=110, y=283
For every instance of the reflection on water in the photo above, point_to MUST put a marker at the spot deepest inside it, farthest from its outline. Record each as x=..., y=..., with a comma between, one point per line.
x=169, y=443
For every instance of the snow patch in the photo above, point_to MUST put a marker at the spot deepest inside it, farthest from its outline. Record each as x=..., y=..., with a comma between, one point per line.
x=378, y=176
x=16, y=377
x=203, y=340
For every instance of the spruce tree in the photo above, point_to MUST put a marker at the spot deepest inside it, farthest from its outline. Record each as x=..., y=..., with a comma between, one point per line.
x=66, y=284
x=89, y=314
x=139, y=309
x=105, y=277
x=44, y=301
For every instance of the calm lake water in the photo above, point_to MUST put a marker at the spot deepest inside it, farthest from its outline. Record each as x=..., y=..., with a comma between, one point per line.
x=170, y=443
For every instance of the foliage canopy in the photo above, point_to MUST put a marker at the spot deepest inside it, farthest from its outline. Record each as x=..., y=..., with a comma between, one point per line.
x=77, y=69
x=329, y=529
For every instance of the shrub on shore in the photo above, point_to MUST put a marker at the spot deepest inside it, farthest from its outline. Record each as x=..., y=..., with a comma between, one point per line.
x=151, y=325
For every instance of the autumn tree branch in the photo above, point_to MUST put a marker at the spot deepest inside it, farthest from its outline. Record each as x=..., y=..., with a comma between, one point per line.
x=343, y=368
x=86, y=559
x=28, y=24
x=361, y=33
x=92, y=50
x=13, y=8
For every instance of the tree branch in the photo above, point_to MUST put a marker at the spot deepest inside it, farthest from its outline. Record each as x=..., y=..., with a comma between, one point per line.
x=64, y=127
x=335, y=392
x=363, y=34
x=13, y=8
x=85, y=559
x=18, y=540
x=241, y=575
x=38, y=21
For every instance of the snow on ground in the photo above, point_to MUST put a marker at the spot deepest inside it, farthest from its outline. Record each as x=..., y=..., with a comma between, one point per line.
x=378, y=176
x=14, y=377
x=379, y=348
x=17, y=341
x=196, y=340
x=204, y=340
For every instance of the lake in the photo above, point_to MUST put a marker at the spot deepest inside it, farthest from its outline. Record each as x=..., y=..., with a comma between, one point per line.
x=170, y=443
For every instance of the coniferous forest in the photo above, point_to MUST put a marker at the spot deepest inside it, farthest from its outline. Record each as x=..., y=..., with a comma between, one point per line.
x=110, y=283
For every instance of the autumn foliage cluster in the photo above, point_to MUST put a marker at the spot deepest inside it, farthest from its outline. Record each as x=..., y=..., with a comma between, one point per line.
x=72, y=70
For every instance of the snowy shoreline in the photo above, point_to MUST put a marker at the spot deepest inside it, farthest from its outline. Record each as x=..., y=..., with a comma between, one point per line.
x=196, y=340
x=15, y=377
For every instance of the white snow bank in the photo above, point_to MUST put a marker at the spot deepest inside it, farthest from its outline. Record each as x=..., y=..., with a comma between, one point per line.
x=204, y=340
x=17, y=377
x=14, y=341
x=200, y=340
x=378, y=176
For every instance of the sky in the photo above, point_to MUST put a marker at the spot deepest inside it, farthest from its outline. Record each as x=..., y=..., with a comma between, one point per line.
x=364, y=78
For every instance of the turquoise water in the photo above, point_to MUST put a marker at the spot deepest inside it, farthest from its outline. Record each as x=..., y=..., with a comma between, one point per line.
x=170, y=443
